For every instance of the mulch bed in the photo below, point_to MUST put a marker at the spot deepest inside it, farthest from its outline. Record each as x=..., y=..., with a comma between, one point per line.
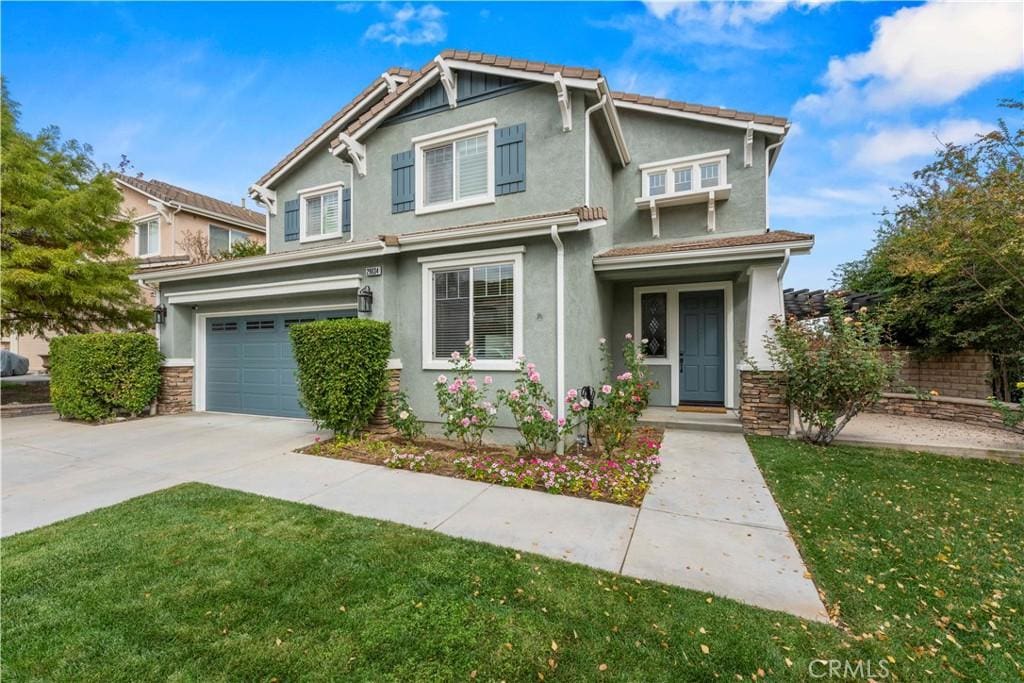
x=376, y=449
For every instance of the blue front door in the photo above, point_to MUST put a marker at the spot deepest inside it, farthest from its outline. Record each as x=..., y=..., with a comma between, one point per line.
x=702, y=347
x=249, y=363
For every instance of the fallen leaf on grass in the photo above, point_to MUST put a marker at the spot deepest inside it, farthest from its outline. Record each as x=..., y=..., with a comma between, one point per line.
x=705, y=649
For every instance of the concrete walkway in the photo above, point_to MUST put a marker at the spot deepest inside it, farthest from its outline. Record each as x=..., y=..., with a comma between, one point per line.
x=708, y=523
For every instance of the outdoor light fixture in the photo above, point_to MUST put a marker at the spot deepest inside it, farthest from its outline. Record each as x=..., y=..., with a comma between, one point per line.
x=364, y=299
x=159, y=314
x=589, y=394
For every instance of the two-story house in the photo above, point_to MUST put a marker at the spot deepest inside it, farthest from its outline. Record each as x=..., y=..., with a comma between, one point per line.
x=523, y=206
x=165, y=217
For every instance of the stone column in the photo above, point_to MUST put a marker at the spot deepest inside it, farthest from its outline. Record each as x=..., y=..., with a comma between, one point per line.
x=379, y=422
x=763, y=410
x=175, y=394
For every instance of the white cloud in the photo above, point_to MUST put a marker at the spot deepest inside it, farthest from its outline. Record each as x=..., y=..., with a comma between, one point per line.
x=409, y=25
x=928, y=54
x=892, y=145
x=717, y=14
x=830, y=202
x=349, y=7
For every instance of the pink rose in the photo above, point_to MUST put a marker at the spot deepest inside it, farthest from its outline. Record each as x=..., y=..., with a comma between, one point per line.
x=606, y=389
x=546, y=414
x=465, y=422
x=629, y=336
x=585, y=403
x=576, y=407
x=472, y=359
x=561, y=422
x=534, y=377
x=456, y=355
x=488, y=379
x=571, y=394
x=441, y=379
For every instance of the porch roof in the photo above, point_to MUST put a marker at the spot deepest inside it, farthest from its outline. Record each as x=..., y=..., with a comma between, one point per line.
x=759, y=245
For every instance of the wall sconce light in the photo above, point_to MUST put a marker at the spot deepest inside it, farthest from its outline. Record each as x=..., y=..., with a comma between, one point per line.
x=364, y=299
x=159, y=315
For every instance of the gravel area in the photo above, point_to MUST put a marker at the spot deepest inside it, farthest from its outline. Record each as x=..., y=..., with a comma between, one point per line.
x=939, y=436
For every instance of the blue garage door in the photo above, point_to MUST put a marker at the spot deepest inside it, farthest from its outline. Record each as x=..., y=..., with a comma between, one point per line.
x=249, y=363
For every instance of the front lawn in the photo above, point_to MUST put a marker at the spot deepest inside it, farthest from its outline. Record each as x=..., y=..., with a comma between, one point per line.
x=921, y=555
x=920, y=552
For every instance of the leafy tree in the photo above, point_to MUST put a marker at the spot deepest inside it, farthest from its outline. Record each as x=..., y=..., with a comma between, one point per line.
x=60, y=250
x=197, y=247
x=950, y=258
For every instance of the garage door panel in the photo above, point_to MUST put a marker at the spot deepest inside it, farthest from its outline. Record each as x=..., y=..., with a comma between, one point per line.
x=249, y=362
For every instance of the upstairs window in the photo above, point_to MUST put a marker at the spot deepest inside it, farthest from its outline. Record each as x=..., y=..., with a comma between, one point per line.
x=147, y=238
x=455, y=168
x=222, y=239
x=320, y=212
x=693, y=174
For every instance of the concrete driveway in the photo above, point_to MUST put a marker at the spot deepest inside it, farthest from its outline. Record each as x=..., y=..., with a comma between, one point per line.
x=708, y=523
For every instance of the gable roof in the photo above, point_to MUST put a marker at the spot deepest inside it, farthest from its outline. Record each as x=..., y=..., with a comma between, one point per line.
x=194, y=201
x=576, y=76
x=337, y=119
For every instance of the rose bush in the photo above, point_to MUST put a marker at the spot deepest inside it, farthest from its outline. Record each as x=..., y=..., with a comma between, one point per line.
x=401, y=417
x=466, y=412
x=531, y=406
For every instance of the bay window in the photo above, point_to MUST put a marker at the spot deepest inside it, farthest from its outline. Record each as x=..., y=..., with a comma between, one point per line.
x=455, y=168
x=693, y=174
x=476, y=299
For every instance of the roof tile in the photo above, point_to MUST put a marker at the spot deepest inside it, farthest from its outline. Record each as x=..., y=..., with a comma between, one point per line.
x=179, y=195
x=776, y=237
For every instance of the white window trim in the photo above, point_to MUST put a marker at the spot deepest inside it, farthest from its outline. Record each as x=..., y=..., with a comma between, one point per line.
x=670, y=166
x=422, y=143
x=138, y=226
x=308, y=192
x=672, y=337
x=513, y=255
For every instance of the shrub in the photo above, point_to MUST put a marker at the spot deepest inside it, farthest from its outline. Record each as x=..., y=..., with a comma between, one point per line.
x=531, y=406
x=619, y=402
x=831, y=371
x=342, y=370
x=101, y=375
x=465, y=411
x=402, y=418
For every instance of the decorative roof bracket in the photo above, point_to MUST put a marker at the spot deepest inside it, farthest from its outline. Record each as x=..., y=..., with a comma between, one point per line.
x=655, y=220
x=711, y=211
x=448, y=81
x=564, y=101
x=163, y=209
x=748, y=146
x=390, y=81
x=356, y=152
x=264, y=196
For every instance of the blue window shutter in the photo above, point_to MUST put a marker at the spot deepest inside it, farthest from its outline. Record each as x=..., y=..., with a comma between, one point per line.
x=403, y=182
x=291, y=220
x=510, y=159
x=346, y=211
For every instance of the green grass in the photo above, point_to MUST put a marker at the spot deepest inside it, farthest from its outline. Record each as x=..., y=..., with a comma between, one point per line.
x=199, y=583
x=923, y=553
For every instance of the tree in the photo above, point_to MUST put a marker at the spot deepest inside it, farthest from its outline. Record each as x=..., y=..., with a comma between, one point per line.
x=61, y=247
x=197, y=248
x=950, y=258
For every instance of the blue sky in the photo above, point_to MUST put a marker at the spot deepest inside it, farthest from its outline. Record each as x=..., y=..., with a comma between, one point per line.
x=210, y=95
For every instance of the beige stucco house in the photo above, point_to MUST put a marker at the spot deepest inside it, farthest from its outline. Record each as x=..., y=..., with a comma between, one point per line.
x=164, y=216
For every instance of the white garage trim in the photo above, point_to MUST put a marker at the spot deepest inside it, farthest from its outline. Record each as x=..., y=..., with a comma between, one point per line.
x=315, y=285
x=199, y=373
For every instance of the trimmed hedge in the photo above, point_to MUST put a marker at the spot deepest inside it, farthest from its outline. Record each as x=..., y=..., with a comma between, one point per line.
x=97, y=376
x=342, y=370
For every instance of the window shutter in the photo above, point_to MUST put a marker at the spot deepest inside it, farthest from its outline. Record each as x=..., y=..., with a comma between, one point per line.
x=291, y=220
x=346, y=211
x=510, y=159
x=403, y=182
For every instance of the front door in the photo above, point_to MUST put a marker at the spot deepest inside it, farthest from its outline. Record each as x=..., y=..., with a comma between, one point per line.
x=702, y=347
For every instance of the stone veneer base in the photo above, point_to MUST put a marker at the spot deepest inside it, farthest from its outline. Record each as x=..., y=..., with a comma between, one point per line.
x=175, y=395
x=763, y=410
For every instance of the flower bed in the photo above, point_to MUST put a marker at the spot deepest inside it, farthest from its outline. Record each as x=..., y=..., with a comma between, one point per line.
x=623, y=477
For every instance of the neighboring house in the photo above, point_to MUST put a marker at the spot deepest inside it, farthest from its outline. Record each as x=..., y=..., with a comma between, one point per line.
x=164, y=215
x=524, y=206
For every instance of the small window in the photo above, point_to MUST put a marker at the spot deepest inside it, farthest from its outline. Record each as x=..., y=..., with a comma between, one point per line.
x=320, y=212
x=656, y=184
x=709, y=175
x=683, y=179
x=222, y=239
x=654, y=323
x=147, y=238
x=259, y=324
x=224, y=327
x=455, y=168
